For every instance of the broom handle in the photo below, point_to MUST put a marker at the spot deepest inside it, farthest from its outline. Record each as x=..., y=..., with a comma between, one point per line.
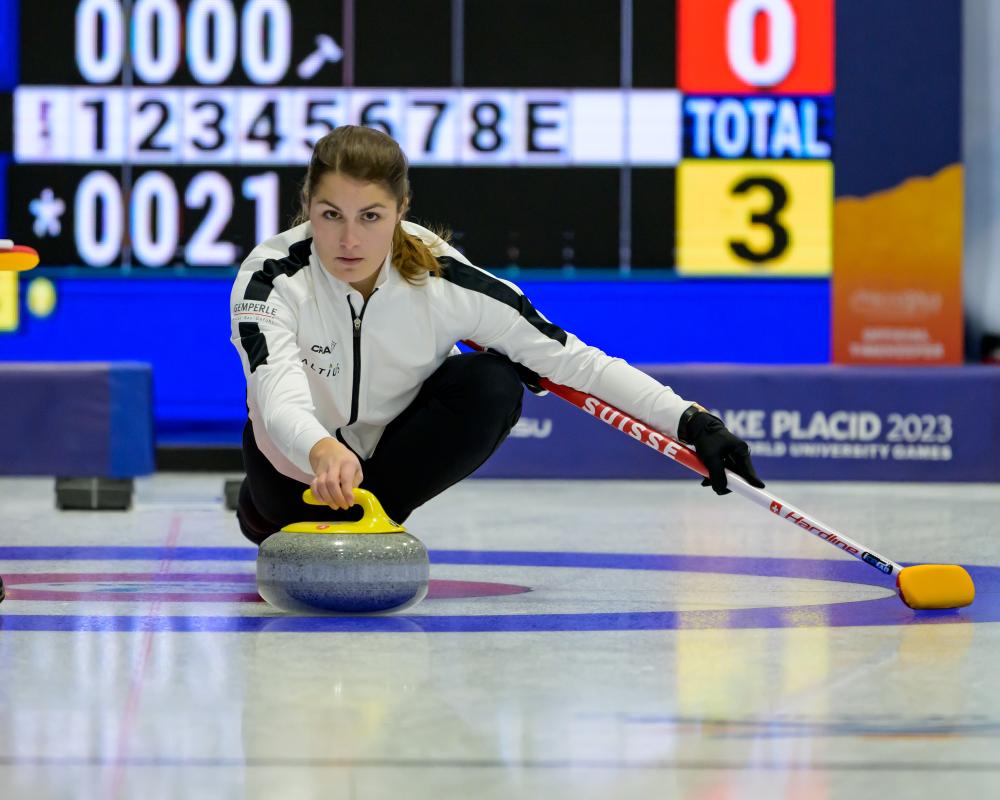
x=682, y=454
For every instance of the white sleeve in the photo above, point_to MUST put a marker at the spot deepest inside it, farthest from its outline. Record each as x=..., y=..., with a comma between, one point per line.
x=503, y=319
x=264, y=328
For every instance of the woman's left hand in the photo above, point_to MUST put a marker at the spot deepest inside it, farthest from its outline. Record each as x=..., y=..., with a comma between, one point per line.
x=719, y=450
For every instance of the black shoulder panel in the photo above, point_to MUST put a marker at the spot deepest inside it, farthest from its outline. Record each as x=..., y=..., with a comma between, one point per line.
x=259, y=289
x=475, y=280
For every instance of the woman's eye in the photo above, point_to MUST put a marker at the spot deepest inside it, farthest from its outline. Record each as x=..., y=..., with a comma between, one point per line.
x=329, y=215
x=371, y=216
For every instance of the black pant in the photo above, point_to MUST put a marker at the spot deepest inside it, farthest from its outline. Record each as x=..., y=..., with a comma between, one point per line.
x=458, y=419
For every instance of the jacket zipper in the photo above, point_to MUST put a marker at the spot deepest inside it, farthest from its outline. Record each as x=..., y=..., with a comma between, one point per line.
x=356, y=388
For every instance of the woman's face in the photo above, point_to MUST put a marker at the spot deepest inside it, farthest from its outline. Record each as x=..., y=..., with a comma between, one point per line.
x=352, y=223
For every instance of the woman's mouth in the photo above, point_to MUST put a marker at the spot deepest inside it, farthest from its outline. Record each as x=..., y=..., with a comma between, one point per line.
x=344, y=260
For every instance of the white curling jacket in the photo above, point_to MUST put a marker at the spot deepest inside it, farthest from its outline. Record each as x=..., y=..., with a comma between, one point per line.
x=320, y=361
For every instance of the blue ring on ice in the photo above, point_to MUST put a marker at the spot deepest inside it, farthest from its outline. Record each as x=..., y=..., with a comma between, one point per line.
x=882, y=611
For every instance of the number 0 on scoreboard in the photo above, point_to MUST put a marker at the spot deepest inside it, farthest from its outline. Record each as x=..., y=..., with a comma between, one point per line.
x=754, y=217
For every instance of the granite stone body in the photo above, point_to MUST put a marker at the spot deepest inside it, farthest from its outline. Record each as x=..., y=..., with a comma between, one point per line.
x=347, y=573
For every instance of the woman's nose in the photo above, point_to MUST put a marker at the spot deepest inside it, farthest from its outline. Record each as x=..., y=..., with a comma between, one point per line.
x=349, y=237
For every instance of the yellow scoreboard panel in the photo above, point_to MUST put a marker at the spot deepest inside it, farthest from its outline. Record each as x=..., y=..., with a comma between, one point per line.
x=754, y=217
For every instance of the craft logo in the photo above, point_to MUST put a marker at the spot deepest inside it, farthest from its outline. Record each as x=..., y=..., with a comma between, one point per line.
x=323, y=349
x=776, y=507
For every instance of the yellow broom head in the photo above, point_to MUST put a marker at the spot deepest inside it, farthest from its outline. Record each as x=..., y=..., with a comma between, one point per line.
x=927, y=586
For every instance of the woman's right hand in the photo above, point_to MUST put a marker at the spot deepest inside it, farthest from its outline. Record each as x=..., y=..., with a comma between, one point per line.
x=337, y=472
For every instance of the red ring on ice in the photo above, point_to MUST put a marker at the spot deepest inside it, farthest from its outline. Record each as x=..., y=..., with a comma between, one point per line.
x=243, y=587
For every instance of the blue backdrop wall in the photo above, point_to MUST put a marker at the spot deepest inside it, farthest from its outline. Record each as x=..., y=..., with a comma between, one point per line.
x=182, y=328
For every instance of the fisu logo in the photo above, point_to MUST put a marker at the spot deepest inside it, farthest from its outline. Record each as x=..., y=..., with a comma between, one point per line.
x=529, y=428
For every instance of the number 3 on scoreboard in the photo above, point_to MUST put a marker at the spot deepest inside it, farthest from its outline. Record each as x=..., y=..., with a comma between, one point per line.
x=754, y=217
x=768, y=218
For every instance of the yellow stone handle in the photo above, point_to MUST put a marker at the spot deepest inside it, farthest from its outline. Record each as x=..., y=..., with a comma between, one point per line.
x=374, y=520
x=16, y=257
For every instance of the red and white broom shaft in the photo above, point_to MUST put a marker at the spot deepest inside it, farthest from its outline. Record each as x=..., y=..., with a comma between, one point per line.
x=682, y=454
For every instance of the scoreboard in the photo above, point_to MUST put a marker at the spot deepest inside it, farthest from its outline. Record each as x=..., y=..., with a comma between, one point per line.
x=169, y=135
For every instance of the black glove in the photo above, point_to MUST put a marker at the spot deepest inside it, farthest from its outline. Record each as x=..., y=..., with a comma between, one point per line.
x=718, y=449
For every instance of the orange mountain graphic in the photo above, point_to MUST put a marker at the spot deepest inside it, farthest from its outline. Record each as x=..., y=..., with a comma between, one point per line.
x=897, y=276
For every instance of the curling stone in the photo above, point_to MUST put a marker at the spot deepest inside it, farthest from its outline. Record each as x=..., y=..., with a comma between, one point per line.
x=364, y=567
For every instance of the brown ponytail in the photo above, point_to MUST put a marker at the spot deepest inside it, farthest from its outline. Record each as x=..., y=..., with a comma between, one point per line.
x=412, y=257
x=368, y=155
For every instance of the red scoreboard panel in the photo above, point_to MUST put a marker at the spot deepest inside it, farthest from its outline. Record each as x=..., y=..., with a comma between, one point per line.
x=783, y=46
